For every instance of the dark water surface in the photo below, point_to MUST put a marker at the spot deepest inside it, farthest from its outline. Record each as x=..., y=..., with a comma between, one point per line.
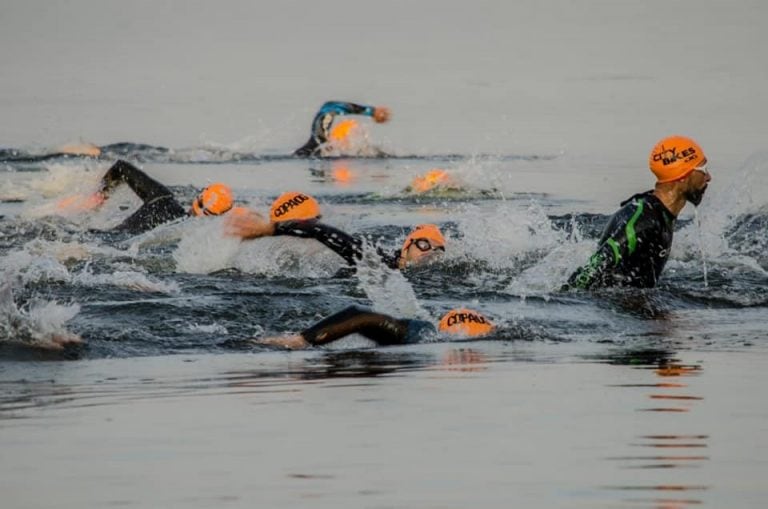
x=622, y=398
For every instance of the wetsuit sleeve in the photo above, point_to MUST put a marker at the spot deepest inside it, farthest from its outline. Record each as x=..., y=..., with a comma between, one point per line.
x=321, y=124
x=348, y=247
x=619, y=241
x=343, y=244
x=142, y=184
x=383, y=329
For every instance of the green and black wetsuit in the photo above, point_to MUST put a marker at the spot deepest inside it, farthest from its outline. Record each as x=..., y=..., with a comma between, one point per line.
x=383, y=329
x=633, y=249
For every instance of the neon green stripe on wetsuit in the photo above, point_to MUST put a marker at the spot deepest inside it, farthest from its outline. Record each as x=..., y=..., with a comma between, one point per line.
x=633, y=249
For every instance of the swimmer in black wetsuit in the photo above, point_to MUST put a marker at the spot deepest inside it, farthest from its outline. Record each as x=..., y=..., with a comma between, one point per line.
x=159, y=206
x=383, y=329
x=422, y=244
x=636, y=243
x=321, y=125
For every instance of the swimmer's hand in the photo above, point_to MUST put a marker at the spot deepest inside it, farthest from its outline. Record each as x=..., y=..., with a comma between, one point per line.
x=60, y=341
x=248, y=225
x=381, y=114
x=296, y=342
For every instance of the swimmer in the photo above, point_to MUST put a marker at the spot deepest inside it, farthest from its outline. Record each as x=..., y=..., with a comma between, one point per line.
x=321, y=125
x=296, y=214
x=636, y=243
x=385, y=330
x=159, y=206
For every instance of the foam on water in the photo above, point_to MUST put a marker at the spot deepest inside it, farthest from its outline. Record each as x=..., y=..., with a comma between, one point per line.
x=388, y=289
x=37, y=324
x=502, y=236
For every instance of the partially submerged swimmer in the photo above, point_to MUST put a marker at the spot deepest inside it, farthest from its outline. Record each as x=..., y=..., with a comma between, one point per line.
x=323, y=121
x=300, y=220
x=385, y=330
x=160, y=206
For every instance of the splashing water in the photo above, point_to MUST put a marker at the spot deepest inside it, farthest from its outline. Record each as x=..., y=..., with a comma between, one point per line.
x=40, y=325
x=389, y=291
x=701, y=246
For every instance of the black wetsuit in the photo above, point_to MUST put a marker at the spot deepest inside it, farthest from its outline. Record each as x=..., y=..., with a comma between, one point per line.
x=383, y=329
x=633, y=249
x=321, y=125
x=159, y=204
x=348, y=247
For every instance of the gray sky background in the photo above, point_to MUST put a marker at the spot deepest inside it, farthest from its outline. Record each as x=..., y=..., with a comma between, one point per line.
x=526, y=76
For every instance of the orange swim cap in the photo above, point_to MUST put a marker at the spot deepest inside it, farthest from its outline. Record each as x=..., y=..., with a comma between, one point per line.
x=214, y=200
x=342, y=130
x=424, y=231
x=294, y=206
x=674, y=158
x=465, y=322
x=430, y=180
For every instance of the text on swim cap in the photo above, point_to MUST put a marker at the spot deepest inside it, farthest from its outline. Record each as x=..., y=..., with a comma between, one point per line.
x=670, y=156
x=288, y=205
x=457, y=318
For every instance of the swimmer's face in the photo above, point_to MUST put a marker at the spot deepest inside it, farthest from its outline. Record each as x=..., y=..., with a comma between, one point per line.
x=697, y=183
x=421, y=250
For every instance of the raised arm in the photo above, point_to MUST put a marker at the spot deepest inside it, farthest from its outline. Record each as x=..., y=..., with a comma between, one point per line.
x=142, y=184
x=381, y=328
x=341, y=243
x=321, y=124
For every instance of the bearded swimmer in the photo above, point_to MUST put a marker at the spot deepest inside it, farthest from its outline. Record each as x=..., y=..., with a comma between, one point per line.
x=296, y=214
x=385, y=330
x=321, y=125
x=159, y=205
x=635, y=245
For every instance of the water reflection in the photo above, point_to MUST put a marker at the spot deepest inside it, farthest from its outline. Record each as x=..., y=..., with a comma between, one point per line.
x=18, y=397
x=670, y=396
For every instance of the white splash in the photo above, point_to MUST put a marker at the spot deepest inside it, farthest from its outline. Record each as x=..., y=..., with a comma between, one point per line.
x=389, y=291
x=39, y=325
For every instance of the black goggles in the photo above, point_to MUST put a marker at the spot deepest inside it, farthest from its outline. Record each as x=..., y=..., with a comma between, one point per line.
x=424, y=245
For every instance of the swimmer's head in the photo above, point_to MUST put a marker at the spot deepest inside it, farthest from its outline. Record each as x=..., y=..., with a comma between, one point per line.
x=674, y=158
x=465, y=322
x=422, y=244
x=214, y=200
x=294, y=207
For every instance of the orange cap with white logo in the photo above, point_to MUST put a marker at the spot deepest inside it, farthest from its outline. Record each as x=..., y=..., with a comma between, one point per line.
x=674, y=158
x=294, y=206
x=465, y=322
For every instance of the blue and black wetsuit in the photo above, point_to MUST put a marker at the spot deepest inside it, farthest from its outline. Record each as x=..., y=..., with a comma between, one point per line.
x=383, y=329
x=321, y=125
x=633, y=249
x=159, y=204
x=348, y=247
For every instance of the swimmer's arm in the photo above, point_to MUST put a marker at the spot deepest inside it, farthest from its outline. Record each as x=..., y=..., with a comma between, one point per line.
x=618, y=242
x=343, y=244
x=142, y=184
x=381, y=328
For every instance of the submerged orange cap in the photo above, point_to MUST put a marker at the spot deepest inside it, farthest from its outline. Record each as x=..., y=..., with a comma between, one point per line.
x=424, y=231
x=213, y=200
x=675, y=157
x=465, y=322
x=430, y=180
x=294, y=206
